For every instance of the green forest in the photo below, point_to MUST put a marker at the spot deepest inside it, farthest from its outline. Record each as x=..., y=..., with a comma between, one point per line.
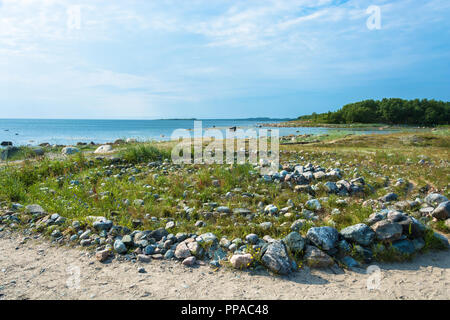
x=390, y=111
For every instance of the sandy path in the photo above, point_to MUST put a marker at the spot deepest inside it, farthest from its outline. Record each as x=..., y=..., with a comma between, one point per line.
x=37, y=270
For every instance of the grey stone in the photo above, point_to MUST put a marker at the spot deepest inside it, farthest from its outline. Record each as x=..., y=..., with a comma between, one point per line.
x=331, y=187
x=349, y=262
x=387, y=231
x=442, y=211
x=276, y=258
x=359, y=233
x=35, y=209
x=103, y=225
x=295, y=242
x=120, y=247
x=389, y=197
x=313, y=204
x=404, y=246
x=323, y=237
x=169, y=254
x=69, y=150
x=252, y=238
x=297, y=225
x=143, y=258
x=189, y=261
x=435, y=199
x=413, y=227
x=223, y=209
x=316, y=258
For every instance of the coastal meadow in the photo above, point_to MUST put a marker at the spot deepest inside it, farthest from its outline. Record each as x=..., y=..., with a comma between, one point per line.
x=341, y=201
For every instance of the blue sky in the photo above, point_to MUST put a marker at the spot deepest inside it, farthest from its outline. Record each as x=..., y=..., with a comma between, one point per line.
x=216, y=58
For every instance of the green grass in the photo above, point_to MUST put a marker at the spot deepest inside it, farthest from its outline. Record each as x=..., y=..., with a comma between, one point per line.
x=137, y=153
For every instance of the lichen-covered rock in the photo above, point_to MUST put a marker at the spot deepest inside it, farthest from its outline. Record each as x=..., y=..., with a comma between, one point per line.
x=295, y=242
x=69, y=151
x=359, y=233
x=435, y=199
x=276, y=258
x=316, y=258
x=387, y=231
x=325, y=238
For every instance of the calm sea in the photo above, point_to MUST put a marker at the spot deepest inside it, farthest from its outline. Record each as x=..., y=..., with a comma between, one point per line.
x=67, y=132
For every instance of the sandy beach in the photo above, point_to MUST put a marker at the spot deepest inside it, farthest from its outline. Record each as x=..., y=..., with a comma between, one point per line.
x=35, y=269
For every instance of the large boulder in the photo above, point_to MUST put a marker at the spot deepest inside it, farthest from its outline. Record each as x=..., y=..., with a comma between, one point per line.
x=104, y=149
x=276, y=258
x=294, y=242
x=359, y=233
x=325, y=238
x=442, y=212
x=387, y=231
x=316, y=258
x=69, y=151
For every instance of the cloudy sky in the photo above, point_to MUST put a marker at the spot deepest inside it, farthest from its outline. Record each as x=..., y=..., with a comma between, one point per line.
x=149, y=59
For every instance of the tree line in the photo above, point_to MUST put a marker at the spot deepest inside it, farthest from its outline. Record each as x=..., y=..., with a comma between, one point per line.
x=388, y=110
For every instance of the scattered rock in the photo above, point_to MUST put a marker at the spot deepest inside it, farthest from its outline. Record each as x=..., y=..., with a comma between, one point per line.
x=359, y=233
x=69, y=151
x=404, y=246
x=323, y=237
x=435, y=199
x=387, y=231
x=442, y=211
x=120, y=247
x=241, y=261
x=190, y=261
x=104, y=149
x=316, y=258
x=389, y=197
x=102, y=255
x=295, y=242
x=276, y=258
